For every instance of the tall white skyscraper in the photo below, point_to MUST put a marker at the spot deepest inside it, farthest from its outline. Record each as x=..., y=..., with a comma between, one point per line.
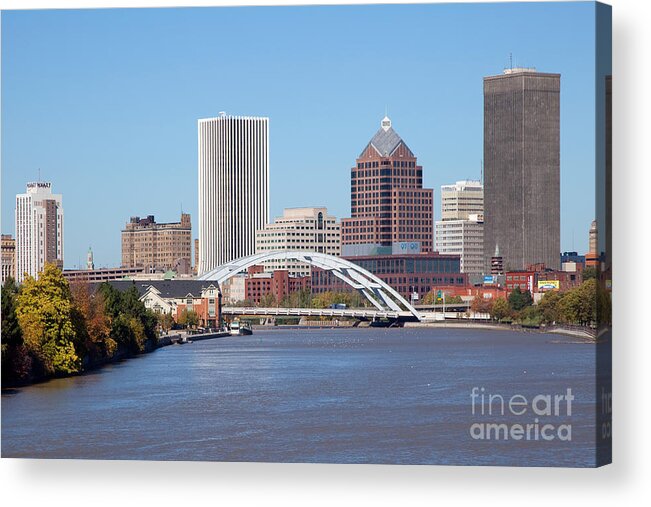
x=39, y=229
x=233, y=187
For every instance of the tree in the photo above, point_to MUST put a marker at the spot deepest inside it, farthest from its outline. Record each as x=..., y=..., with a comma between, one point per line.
x=549, y=307
x=91, y=323
x=518, y=299
x=268, y=300
x=188, y=318
x=500, y=309
x=44, y=310
x=166, y=321
x=16, y=361
x=481, y=304
x=11, y=333
x=589, y=273
x=133, y=326
x=579, y=305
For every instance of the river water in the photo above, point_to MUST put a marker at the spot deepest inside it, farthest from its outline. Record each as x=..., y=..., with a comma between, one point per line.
x=337, y=396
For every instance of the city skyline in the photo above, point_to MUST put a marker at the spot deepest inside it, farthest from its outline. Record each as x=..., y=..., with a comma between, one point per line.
x=438, y=110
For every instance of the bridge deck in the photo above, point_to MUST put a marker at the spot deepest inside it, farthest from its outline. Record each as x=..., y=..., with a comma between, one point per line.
x=367, y=314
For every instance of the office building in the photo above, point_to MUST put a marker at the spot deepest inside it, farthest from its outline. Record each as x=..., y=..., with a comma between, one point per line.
x=157, y=246
x=8, y=257
x=39, y=229
x=304, y=229
x=405, y=273
x=233, y=187
x=461, y=228
x=462, y=199
x=522, y=167
x=391, y=212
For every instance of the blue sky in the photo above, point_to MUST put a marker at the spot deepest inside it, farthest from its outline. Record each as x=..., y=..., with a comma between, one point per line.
x=105, y=102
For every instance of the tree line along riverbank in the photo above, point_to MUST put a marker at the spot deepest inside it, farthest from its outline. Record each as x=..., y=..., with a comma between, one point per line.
x=51, y=328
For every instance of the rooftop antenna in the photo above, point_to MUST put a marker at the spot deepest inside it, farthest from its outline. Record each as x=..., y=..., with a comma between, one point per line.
x=511, y=60
x=481, y=172
x=39, y=174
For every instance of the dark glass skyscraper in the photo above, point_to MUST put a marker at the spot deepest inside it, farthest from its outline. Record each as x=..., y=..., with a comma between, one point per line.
x=522, y=168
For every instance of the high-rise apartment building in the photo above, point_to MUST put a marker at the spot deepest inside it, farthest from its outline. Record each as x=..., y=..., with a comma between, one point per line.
x=39, y=229
x=461, y=228
x=522, y=168
x=156, y=246
x=305, y=229
x=391, y=212
x=233, y=187
x=8, y=257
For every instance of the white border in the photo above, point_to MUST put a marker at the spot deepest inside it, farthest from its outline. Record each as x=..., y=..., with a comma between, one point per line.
x=627, y=482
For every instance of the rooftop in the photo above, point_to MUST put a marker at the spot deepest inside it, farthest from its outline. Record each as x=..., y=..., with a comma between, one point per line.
x=386, y=140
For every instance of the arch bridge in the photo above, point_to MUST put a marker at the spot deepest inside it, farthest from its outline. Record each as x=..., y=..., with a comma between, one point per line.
x=387, y=302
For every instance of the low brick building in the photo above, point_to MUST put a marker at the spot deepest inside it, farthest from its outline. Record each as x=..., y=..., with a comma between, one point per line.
x=538, y=279
x=279, y=283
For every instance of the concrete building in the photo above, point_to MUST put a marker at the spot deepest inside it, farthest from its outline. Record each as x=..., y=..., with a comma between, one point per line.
x=390, y=210
x=461, y=228
x=39, y=229
x=157, y=246
x=8, y=257
x=304, y=229
x=464, y=238
x=234, y=289
x=462, y=199
x=522, y=167
x=233, y=187
x=101, y=274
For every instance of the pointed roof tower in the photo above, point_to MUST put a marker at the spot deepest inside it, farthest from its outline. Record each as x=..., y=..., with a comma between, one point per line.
x=386, y=140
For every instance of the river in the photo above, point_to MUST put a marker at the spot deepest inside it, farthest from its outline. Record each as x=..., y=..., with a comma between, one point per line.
x=335, y=396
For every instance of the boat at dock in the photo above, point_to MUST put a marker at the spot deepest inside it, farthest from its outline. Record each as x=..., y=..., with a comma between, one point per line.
x=240, y=329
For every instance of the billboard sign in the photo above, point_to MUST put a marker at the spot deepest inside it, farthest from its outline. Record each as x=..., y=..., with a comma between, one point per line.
x=549, y=285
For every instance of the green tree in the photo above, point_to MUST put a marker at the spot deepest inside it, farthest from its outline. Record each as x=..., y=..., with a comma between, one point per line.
x=133, y=326
x=549, y=307
x=579, y=305
x=268, y=300
x=530, y=316
x=590, y=273
x=16, y=360
x=166, y=321
x=44, y=310
x=519, y=300
x=188, y=318
x=500, y=309
x=11, y=333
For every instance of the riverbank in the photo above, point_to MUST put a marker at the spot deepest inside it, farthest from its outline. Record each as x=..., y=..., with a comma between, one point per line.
x=119, y=356
x=585, y=333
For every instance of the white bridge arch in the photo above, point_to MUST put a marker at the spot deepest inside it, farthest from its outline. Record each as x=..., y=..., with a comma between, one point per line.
x=381, y=295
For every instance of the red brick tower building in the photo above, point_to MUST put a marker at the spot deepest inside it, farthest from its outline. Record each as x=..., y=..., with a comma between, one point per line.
x=391, y=211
